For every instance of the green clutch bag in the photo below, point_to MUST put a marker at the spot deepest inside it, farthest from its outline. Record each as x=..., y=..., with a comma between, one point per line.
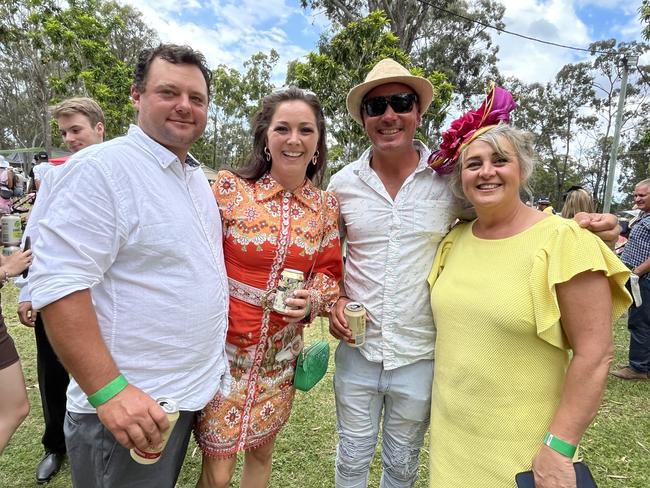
x=311, y=365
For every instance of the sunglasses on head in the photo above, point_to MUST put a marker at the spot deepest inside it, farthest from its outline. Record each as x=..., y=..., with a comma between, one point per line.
x=401, y=103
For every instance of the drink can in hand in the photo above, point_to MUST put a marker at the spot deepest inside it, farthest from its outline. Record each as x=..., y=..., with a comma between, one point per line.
x=355, y=316
x=290, y=281
x=152, y=455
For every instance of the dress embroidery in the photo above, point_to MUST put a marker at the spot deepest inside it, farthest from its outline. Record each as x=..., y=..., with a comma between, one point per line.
x=266, y=229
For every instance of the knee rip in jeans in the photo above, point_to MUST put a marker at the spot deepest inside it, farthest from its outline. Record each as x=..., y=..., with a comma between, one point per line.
x=355, y=454
x=402, y=463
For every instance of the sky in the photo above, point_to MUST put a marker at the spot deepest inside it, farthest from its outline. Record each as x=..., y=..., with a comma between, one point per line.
x=230, y=31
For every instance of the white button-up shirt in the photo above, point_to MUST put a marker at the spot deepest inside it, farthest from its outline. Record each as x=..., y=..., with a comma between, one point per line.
x=41, y=169
x=390, y=249
x=142, y=231
x=31, y=229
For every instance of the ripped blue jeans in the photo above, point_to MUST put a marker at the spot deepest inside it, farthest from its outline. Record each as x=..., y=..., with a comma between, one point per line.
x=363, y=390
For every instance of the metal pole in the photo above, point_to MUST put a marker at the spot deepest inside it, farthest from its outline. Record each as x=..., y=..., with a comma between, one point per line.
x=607, y=200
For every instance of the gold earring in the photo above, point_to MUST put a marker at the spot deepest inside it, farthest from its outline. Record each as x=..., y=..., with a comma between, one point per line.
x=314, y=160
x=267, y=153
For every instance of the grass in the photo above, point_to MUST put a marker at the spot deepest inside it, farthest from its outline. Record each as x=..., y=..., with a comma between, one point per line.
x=616, y=447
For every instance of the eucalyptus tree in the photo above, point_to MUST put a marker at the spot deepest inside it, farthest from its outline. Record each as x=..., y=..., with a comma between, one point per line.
x=51, y=50
x=448, y=36
x=342, y=61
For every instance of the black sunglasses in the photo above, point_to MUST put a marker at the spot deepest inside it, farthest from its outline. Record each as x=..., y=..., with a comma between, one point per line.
x=401, y=103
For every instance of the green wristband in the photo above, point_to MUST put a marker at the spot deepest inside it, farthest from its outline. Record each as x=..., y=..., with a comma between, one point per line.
x=108, y=391
x=558, y=445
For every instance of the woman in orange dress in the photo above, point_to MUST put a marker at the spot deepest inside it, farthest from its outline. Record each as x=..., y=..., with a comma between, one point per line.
x=274, y=217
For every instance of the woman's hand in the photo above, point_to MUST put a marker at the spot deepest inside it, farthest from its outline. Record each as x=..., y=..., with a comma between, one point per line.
x=299, y=306
x=553, y=470
x=17, y=262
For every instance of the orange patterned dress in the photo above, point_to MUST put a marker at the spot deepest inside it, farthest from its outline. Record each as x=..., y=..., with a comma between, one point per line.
x=267, y=229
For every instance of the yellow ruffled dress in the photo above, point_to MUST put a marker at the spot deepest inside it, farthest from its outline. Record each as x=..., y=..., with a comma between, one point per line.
x=501, y=354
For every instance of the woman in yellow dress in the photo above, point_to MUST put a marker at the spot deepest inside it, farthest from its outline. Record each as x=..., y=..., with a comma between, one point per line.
x=523, y=303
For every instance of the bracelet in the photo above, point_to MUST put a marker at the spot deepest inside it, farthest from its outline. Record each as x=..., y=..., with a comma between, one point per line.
x=108, y=391
x=560, y=446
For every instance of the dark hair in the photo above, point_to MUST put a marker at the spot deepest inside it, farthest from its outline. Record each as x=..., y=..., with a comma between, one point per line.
x=174, y=54
x=257, y=165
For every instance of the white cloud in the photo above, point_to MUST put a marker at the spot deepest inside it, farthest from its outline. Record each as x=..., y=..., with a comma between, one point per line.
x=554, y=21
x=226, y=31
x=230, y=31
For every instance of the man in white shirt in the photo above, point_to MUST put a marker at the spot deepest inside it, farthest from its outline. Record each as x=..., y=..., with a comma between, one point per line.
x=81, y=124
x=394, y=212
x=41, y=166
x=151, y=256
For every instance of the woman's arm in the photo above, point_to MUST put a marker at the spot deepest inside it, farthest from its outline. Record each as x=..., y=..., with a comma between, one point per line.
x=586, y=309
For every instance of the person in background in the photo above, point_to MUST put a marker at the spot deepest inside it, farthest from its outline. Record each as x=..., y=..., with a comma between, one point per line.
x=81, y=123
x=39, y=169
x=636, y=256
x=118, y=272
x=577, y=199
x=523, y=304
x=6, y=186
x=14, y=405
x=19, y=184
x=274, y=217
x=544, y=205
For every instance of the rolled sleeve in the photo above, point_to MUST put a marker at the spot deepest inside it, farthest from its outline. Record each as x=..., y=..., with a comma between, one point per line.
x=78, y=236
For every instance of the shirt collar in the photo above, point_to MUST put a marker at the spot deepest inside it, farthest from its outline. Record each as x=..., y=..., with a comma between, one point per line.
x=163, y=155
x=308, y=194
x=423, y=163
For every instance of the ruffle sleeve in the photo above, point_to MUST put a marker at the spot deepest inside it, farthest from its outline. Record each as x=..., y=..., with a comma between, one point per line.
x=328, y=269
x=568, y=252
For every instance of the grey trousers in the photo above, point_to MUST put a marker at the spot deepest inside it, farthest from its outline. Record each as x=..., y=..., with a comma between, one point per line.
x=98, y=461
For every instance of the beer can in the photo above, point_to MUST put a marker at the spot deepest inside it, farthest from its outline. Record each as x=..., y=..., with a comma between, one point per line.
x=290, y=281
x=9, y=250
x=12, y=230
x=355, y=316
x=152, y=455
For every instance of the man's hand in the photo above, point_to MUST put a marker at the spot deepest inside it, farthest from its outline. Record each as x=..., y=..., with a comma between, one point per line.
x=604, y=226
x=134, y=418
x=338, y=325
x=26, y=314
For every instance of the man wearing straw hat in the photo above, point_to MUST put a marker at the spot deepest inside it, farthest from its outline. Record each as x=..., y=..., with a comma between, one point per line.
x=395, y=210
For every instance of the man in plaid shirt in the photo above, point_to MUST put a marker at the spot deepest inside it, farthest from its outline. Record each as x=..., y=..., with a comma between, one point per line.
x=636, y=256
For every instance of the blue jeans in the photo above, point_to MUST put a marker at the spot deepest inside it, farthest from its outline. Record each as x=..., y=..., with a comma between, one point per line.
x=638, y=323
x=363, y=389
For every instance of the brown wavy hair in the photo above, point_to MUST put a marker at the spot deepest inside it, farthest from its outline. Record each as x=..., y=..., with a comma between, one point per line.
x=257, y=165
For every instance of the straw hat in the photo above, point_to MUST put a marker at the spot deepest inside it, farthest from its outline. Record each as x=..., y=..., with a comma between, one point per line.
x=389, y=71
